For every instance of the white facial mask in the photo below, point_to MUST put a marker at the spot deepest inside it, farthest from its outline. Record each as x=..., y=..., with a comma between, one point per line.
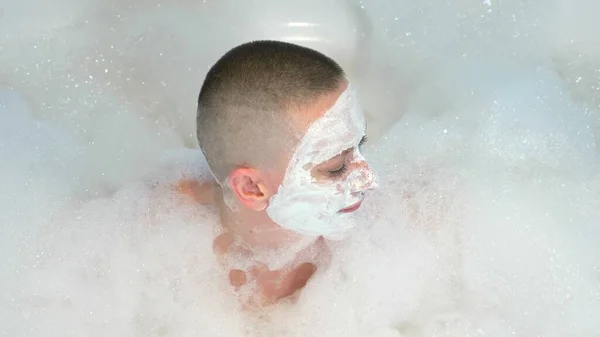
x=312, y=207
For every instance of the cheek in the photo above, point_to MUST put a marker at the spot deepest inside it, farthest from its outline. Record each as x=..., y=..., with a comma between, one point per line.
x=274, y=180
x=338, y=189
x=320, y=190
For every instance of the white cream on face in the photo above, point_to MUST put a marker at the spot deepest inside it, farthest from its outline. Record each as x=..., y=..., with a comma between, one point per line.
x=310, y=207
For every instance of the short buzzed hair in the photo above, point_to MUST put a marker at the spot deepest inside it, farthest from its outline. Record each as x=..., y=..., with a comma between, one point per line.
x=245, y=100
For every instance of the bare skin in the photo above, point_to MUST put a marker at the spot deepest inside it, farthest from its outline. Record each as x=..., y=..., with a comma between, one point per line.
x=249, y=229
x=271, y=285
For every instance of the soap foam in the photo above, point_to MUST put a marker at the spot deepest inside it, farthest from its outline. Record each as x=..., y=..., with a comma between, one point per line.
x=486, y=221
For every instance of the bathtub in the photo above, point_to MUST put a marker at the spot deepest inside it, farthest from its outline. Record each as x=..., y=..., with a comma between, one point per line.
x=483, y=122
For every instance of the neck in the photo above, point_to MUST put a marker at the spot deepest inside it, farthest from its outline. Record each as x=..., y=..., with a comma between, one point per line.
x=259, y=233
x=255, y=228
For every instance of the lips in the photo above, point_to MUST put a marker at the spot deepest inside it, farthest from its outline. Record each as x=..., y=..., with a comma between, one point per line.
x=351, y=208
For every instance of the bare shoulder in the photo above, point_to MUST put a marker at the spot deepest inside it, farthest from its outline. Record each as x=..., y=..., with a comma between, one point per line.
x=256, y=283
x=202, y=192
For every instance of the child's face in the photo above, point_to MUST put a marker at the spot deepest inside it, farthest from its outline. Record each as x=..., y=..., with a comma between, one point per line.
x=327, y=175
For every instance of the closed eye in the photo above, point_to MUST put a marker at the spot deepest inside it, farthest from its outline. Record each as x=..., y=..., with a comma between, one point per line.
x=339, y=172
x=363, y=141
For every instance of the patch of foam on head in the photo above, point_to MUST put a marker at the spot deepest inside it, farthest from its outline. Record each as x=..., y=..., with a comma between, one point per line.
x=311, y=207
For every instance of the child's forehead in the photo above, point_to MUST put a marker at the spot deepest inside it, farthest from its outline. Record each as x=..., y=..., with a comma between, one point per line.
x=304, y=117
x=340, y=109
x=341, y=127
x=341, y=121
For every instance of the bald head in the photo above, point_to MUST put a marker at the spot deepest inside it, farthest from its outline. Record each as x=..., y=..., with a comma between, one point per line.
x=249, y=97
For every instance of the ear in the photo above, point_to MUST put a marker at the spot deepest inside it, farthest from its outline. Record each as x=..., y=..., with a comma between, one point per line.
x=249, y=187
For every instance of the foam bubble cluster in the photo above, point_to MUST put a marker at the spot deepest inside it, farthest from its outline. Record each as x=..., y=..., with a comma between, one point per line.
x=486, y=122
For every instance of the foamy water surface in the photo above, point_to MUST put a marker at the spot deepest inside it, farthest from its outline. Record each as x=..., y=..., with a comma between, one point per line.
x=485, y=120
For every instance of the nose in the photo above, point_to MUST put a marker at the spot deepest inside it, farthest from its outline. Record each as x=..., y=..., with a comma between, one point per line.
x=362, y=177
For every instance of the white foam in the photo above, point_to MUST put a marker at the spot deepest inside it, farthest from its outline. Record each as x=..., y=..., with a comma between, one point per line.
x=485, y=223
x=294, y=206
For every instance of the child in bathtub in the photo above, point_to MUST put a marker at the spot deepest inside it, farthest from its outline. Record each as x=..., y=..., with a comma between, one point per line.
x=280, y=128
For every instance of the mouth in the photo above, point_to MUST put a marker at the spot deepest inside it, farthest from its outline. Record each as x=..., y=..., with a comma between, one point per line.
x=351, y=208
